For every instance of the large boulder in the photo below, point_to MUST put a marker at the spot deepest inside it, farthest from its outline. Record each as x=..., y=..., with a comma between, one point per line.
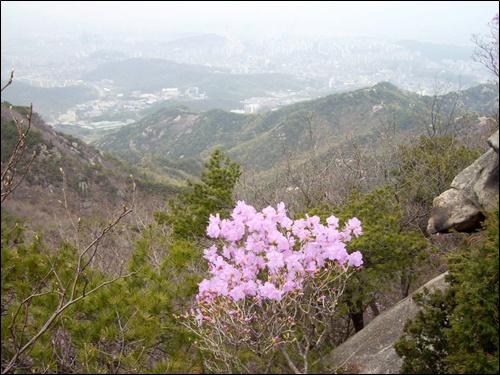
x=473, y=191
x=371, y=351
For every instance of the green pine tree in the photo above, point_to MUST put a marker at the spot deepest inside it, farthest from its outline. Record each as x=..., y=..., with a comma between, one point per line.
x=457, y=331
x=190, y=210
x=392, y=253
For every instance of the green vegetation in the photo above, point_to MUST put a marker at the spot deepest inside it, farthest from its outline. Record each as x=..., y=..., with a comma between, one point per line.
x=393, y=254
x=10, y=135
x=457, y=330
x=426, y=168
x=124, y=326
x=191, y=209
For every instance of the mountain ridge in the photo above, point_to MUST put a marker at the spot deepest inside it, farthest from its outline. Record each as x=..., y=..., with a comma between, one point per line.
x=260, y=139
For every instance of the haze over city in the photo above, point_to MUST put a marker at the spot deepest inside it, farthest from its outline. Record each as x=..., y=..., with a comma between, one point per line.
x=80, y=50
x=436, y=21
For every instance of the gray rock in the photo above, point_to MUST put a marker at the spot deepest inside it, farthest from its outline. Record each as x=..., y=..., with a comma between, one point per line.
x=471, y=192
x=451, y=210
x=371, y=351
x=493, y=142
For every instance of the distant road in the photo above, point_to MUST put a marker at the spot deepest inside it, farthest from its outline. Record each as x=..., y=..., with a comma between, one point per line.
x=101, y=92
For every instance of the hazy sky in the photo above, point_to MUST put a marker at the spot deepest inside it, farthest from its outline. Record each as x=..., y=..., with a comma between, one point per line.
x=437, y=21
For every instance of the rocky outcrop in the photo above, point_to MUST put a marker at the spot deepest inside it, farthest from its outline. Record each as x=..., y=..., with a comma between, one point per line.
x=473, y=191
x=370, y=351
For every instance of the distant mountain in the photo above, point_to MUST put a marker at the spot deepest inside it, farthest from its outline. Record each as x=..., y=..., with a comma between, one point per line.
x=47, y=100
x=481, y=99
x=258, y=140
x=151, y=75
x=261, y=141
x=147, y=74
x=222, y=89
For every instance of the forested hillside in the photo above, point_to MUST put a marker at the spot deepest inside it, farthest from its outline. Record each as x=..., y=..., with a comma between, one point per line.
x=67, y=180
x=263, y=140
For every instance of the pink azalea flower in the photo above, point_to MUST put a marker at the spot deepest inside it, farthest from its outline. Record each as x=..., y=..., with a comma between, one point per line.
x=210, y=254
x=332, y=222
x=199, y=317
x=354, y=225
x=274, y=260
x=243, y=212
x=237, y=293
x=294, y=262
x=312, y=221
x=355, y=259
x=268, y=290
x=213, y=229
x=311, y=268
x=249, y=287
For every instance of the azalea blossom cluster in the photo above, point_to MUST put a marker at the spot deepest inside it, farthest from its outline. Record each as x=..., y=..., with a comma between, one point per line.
x=273, y=281
x=270, y=243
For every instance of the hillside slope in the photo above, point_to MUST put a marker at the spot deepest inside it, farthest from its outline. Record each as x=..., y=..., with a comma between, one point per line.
x=65, y=170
